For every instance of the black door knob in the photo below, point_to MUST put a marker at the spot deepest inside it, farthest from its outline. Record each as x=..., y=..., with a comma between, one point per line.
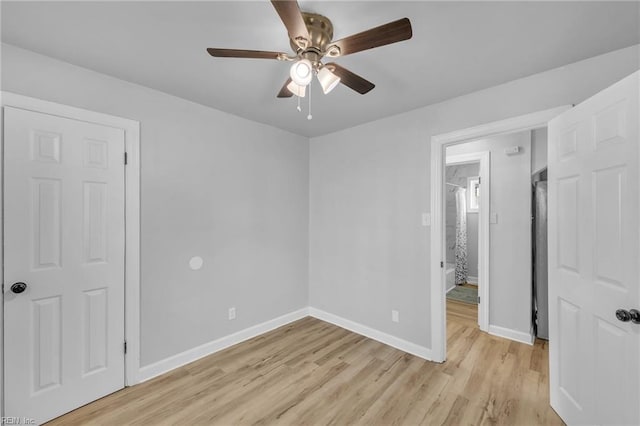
x=623, y=315
x=635, y=316
x=18, y=288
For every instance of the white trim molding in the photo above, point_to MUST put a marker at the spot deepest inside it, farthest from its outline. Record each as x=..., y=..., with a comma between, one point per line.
x=387, y=339
x=507, y=333
x=510, y=125
x=158, y=368
x=131, y=129
x=168, y=364
x=438, y=145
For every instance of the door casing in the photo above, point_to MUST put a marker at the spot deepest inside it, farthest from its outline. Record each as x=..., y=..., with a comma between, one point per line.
x=132, y=220
x=437, y=237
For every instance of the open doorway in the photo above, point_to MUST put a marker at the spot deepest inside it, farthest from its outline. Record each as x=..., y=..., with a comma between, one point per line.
x=507, y=258
x=466, y=234
x=509, y=295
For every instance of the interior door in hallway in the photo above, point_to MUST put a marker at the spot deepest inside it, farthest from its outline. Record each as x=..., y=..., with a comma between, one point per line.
x=594, y=238
x=64, y=263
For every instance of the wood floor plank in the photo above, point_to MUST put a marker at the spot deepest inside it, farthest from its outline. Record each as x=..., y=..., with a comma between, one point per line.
x=311, y=372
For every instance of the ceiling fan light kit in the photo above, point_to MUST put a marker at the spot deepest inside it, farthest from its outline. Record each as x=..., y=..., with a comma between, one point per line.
x=327, y=79
x=297, y=89
x=311, y=38
x=302, y=72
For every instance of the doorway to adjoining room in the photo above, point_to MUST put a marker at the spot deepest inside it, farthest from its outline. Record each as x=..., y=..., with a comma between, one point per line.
x=461, y=199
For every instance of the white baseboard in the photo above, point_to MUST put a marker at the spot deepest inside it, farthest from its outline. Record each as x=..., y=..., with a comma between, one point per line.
x=178, y=360
x=472, y=280
x=156, y=369
x=507, y=333
x=387, y=339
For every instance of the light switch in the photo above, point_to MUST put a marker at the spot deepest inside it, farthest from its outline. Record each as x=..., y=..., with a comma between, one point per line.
x=426, y=219
x=493, y=218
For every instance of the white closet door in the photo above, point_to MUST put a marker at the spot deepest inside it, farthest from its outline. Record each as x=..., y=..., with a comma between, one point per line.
x=64, y=239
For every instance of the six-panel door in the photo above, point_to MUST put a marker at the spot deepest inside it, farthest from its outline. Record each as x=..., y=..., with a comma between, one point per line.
x=594, y=239
x=64, y=238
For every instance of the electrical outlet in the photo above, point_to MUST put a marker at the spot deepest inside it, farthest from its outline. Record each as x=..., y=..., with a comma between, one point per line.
x=395, y=316
x=232, y=313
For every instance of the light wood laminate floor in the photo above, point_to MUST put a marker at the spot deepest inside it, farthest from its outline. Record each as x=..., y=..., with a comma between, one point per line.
x=311, y=372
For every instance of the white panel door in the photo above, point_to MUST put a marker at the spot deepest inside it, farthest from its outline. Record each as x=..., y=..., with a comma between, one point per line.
x=594, y=238
x=64, y=238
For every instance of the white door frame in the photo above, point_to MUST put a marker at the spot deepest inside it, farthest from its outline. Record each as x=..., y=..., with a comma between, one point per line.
x=132, y=220
x=484, y=157
x=438, y=241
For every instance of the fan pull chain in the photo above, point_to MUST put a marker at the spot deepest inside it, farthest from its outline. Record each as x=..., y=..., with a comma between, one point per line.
x=309, y=117
x=299, y=109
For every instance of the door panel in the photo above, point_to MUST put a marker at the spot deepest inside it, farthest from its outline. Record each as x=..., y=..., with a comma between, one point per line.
x=609, y=339
x=568, y=324
x=594, y=256
x=608, y=187
x=47, y=353
x=64, y=237
x=95, y=330
x=568, y=223
x=95, y=222
x=47, y=238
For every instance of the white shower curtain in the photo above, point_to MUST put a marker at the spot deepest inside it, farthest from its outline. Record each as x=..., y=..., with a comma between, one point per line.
x=461, y=236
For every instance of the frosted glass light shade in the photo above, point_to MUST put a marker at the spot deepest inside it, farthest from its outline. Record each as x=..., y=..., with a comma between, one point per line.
x=301, y=72
x=328, y=80
x=296, y=89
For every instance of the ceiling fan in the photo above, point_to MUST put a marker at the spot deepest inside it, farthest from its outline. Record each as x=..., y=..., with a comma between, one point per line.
x=311, y=38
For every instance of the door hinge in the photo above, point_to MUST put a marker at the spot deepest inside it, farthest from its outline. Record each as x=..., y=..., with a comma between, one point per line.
x=2, y=287
x=441, y=264
x=478, y=299
x=125, y=159
x=479, y=180
x=125, y=346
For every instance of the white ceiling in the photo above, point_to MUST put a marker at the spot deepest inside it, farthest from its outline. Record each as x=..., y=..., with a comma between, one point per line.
x=457, y=48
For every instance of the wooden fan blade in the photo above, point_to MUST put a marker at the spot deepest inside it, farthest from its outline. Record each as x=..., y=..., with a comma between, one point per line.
x=238, y=53
x=392, y=32
x=284, y=92
x=351, y=80
x=291, y=17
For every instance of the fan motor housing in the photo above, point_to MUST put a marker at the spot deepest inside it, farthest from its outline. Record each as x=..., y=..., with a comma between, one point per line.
x=320, y=31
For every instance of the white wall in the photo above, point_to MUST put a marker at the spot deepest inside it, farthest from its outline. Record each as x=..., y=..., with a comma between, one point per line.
x=509, y=238
x=473, y=232
x=215, y=185
x=538, y=150
x=244, y=195
x=369, y=185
